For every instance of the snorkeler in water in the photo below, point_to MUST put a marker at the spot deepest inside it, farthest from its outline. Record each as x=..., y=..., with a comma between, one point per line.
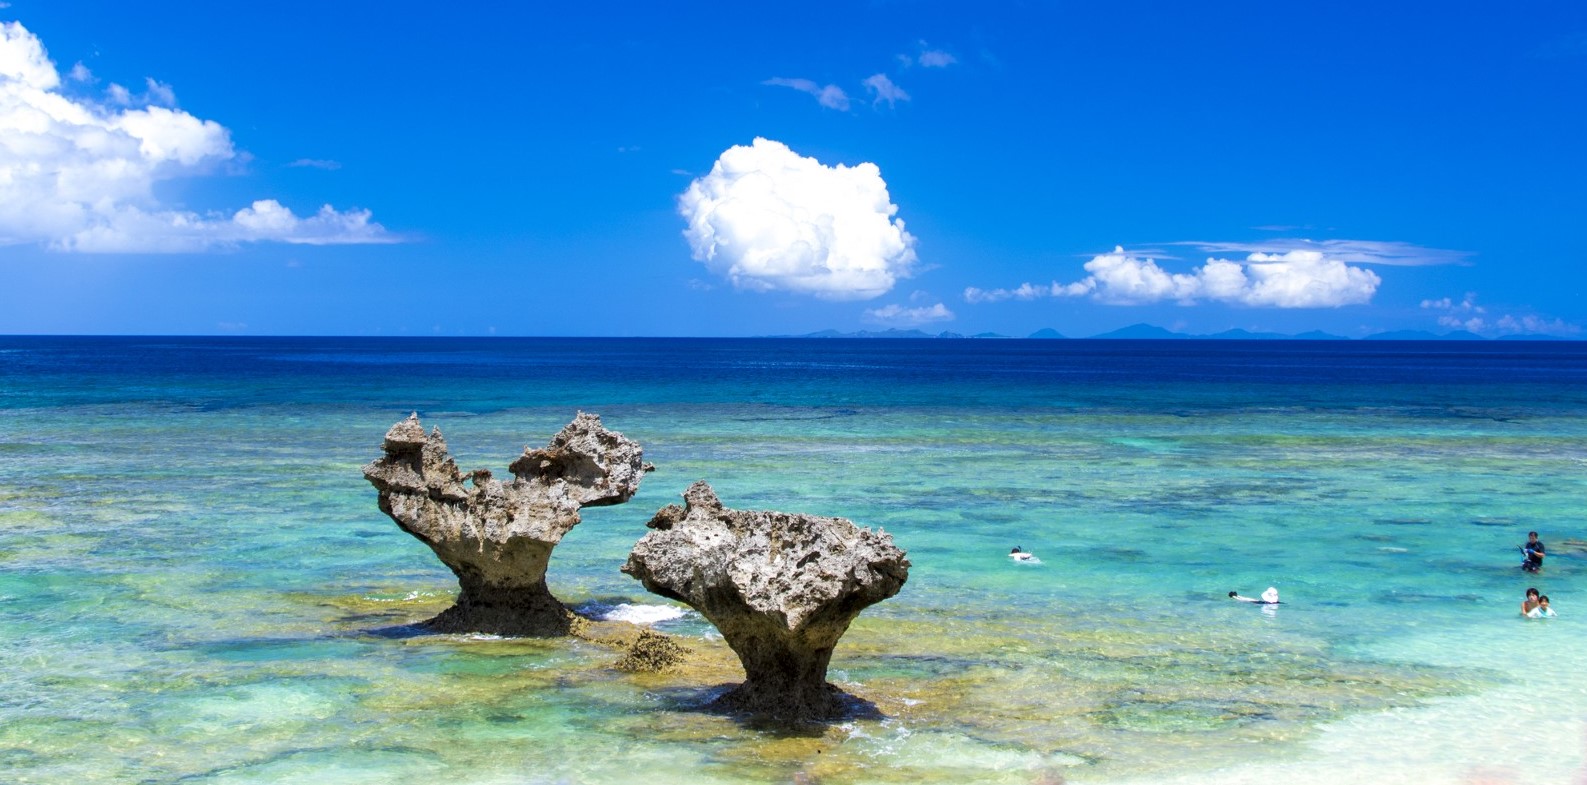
x=1020, y=555
x=1269, y=597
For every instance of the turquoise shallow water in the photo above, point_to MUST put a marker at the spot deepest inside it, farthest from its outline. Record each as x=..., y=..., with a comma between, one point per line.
x=193, y=571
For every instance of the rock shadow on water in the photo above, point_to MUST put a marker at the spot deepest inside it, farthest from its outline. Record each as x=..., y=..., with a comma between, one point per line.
x=399, y=632
x=719, y=701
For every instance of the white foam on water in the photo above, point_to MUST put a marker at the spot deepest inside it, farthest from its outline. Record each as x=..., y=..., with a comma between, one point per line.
x=642, y=614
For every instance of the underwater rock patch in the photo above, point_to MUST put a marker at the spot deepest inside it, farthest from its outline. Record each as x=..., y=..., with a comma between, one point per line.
x=496, y=536
x=653, y=652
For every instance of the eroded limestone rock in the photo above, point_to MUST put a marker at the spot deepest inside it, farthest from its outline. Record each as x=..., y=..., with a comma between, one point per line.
x=782, y=588
x=498, y=536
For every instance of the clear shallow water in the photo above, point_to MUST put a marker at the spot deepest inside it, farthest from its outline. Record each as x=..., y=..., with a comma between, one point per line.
x=191, y=564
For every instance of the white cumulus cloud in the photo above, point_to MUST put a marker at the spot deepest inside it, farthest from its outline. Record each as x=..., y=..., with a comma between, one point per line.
x=76, y=175
x=1294, y=279
x=899, y=316
x=769, y=219
x=831, y=96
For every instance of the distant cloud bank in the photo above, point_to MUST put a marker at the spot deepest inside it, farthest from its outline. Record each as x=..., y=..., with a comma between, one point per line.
x=1467, y=315
x=768, y=219
x=1294, y=279
x=79, y=175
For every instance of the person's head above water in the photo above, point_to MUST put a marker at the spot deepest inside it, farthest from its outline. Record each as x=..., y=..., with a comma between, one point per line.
x=1016, y=550
x=1531, y=536
x=1234, y=594
x=1531, y=592
x=1542, y=601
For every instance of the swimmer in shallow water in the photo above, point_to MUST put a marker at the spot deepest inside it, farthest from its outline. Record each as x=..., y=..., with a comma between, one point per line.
x=1021, y=555
x=1269, y=597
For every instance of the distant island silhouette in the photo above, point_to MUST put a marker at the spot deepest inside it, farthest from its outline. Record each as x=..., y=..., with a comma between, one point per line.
x=1143, y=331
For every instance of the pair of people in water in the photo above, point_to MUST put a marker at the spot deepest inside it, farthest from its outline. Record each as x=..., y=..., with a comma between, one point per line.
x=1535, y=606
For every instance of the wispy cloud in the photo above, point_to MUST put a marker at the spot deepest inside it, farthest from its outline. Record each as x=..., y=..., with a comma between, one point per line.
x=928, y=57
x=315, y=163
x=831, y=96
x=81, y=175
x=883, y=89
x=1295, y=279
x=899, y=316
x=1390, y=252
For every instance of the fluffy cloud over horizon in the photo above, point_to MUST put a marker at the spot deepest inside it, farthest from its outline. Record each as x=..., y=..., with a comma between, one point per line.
x=78, y=175
x=1294, y=279
x=768, y=219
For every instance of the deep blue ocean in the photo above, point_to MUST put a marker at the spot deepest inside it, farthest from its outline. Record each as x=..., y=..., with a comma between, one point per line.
x=194, y=575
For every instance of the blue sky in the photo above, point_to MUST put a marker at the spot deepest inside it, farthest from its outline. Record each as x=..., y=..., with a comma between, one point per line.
x=367, y=168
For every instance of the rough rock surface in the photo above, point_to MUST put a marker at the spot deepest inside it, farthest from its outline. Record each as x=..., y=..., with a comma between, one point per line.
x=498, y=536
x=782, y=588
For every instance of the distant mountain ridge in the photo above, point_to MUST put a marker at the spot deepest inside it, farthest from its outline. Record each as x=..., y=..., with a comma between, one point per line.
x=1144, y=331
x=891, y=333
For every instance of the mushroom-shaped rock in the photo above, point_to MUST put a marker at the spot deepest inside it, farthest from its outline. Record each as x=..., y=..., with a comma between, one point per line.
x=497, y=536
x=782, y=588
